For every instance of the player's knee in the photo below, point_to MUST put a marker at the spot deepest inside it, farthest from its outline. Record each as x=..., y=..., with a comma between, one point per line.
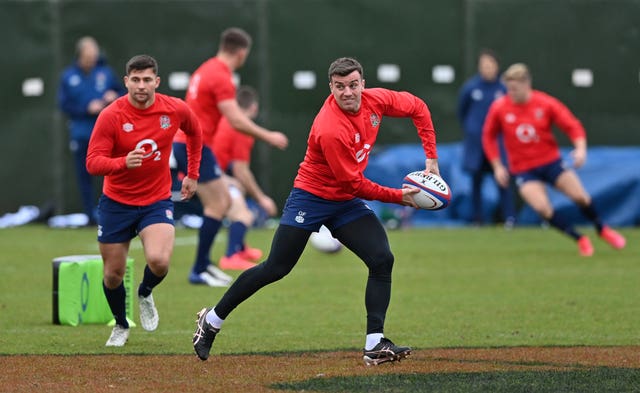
x=583, y=201
x=247, y=218
x=546, y=212
x=160, y=270
x=216, y=210
x=113, y=278
x=158, y=263
x=278, y=273
x=225, y=201
x=381, y=262
x=273, y=271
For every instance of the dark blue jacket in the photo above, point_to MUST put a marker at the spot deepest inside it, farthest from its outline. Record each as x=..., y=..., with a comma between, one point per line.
x=77, y=89
x=474, y=100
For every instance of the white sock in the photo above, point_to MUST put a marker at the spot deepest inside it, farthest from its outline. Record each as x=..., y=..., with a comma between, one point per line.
x=214, y=319
x=373, y=339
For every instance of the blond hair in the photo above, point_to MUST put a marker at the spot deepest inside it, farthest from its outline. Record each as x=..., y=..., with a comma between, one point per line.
x=517, y=71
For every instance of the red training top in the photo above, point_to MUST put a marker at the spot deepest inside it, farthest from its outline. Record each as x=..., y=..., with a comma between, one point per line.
x=340, y=142
x=526, y=128
x=211, y=83
x=121, y=128
x=230, y=145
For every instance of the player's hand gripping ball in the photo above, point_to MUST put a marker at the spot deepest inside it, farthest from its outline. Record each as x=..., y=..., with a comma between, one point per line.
x=434, y=194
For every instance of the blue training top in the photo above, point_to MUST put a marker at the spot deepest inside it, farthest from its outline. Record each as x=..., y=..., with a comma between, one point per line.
x=474, y=100
x=77, y=89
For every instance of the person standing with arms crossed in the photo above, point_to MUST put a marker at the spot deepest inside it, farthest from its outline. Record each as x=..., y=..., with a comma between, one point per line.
x=86, y=88
x=329, y=189
x=130, y=147
x=212, y=95
x=524, y=118
x=233, y=151
x=474, y=100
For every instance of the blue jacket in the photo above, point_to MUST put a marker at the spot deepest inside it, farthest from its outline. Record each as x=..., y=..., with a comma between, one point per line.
x=474, y=100
x=77, y=89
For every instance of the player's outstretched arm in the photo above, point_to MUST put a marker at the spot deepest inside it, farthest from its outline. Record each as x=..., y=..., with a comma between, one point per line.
x=242, y=173
x=241, y=122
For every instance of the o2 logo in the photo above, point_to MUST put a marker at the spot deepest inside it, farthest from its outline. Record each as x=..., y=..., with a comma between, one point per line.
x=151, y=148
x=527, y=133
x=362, y=153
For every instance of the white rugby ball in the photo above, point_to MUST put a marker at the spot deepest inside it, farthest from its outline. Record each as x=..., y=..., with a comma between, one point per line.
x=324, y=241
x=434, y=194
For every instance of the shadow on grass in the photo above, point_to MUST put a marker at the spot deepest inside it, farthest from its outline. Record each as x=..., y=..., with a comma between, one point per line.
x=601, y=379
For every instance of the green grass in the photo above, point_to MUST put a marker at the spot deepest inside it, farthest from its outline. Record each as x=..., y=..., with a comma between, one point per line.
x=452, y=288
x=601, y=379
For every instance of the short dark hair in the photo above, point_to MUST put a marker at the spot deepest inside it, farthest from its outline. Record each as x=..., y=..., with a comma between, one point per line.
x=344, y=66
x=141, y=62
x=246, y=96
x=489, y=52
x=234, y=39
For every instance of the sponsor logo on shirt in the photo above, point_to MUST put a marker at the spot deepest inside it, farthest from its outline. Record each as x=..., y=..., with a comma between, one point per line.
x=527, y=133
x=375, y=120
x=127, y=127
x=165, y=122
x=476, y=95
x=151, y=149
x=362, y=153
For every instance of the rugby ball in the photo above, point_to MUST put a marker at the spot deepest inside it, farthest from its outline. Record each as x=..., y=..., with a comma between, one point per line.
x=434, y=194
x=324, y=241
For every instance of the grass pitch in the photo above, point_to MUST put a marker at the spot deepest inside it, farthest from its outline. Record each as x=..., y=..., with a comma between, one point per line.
x=486, y=310
x=470, y=287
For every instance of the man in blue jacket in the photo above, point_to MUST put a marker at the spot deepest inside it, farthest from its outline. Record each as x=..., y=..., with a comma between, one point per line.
x=86, y=87
x=474, y=100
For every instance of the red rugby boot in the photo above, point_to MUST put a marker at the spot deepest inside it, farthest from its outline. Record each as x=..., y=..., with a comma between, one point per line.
x=615, y=239
x=585, y=247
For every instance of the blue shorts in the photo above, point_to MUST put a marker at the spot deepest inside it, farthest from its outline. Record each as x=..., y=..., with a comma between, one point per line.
x=209, y=168
x=119, y=223
x=307, y=211
x=229, y=170
x=546, y=173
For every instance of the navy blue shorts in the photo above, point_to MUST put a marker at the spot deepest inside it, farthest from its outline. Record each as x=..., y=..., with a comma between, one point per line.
x=119, y=223
x=209, y=168
x=307, y=211
x=546, y=173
